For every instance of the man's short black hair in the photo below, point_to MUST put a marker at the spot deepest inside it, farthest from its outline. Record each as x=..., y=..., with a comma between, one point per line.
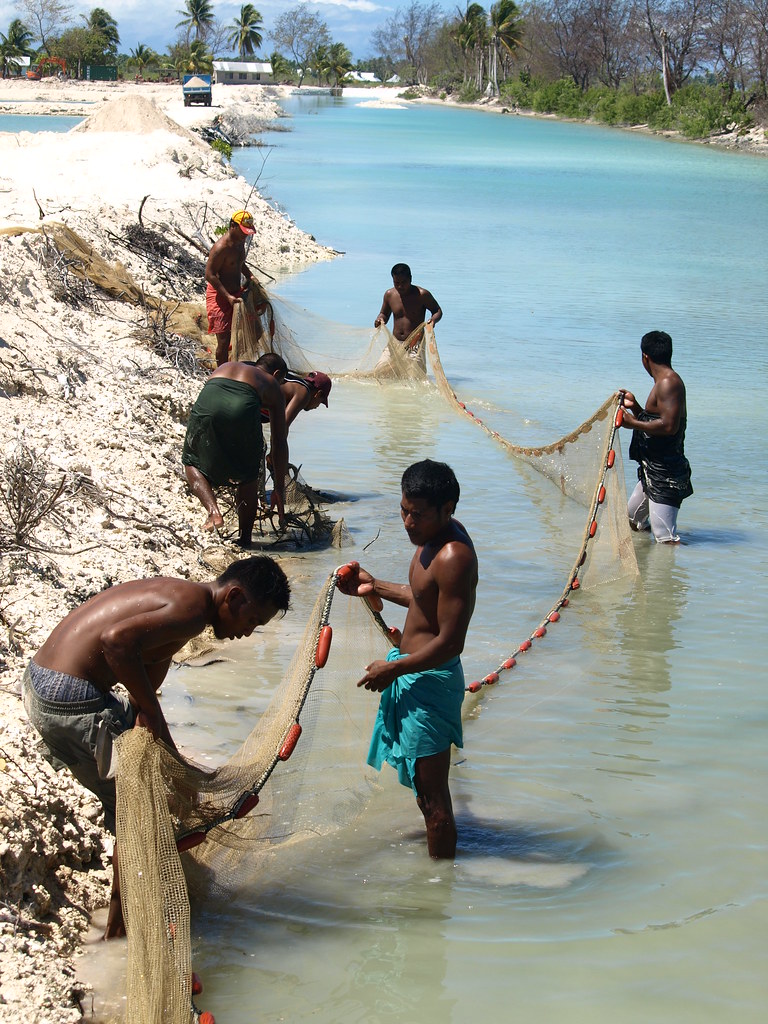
x=270, y=362
x=262, y=578
x=401, y=270
x=657, y=345
x=434, y=482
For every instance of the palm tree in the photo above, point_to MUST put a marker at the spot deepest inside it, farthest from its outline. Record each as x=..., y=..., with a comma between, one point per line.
x=198, y=15
x=505, y=34
x=142, y=56
x=17, y=43
x=103, y=24
x=281, y=67
x=200, y=58
x=339, y=63
x=470, y=34
x=247, y=32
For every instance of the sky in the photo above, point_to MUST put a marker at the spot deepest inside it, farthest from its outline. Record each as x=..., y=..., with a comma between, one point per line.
x=145, y=21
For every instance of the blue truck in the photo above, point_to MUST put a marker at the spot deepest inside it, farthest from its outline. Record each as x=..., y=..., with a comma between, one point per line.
x=196, y=89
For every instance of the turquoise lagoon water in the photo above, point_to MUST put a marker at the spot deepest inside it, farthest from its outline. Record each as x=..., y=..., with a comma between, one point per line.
x=36, y=123
x=610, y=795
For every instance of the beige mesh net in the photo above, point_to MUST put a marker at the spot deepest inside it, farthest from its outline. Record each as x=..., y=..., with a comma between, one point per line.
x=266, y=323
x=317, y=726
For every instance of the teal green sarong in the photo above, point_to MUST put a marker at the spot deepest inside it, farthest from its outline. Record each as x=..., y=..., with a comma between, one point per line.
x=419, y=715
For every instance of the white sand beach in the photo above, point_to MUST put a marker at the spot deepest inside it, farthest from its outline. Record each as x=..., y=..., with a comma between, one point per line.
x=87, y=404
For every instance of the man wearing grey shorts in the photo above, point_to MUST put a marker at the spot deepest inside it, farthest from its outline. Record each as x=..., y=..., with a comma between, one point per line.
x=128, y=634
x=658, y=444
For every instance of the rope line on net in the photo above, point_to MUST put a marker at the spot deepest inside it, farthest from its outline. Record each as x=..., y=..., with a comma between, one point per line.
x=249, y=798
x=613, y=403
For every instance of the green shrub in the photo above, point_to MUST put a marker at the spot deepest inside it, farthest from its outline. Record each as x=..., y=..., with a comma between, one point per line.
x=562, y=97
x=517, y=92
x=469, y=93
x=222, y=147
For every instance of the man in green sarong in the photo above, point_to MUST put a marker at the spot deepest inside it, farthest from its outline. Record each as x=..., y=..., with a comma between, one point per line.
x=422, y=683
x=224, y=442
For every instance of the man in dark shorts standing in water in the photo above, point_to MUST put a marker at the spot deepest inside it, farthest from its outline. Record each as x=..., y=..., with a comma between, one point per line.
x=408, y=304
x=223, y=271
x=128, y=634
x=422, y=682
x=225, y=443
x=658, y=439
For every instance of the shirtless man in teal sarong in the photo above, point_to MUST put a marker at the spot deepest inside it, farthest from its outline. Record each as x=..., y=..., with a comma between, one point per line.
x=422, y=682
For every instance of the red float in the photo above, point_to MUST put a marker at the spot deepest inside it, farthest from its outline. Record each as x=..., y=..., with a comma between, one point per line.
x=540, y=632
x=575, y=584
x=323, y=646
x=525, y=645
x=509, y=663
x=290, y=741
x=593, y=528
x=611, y=459
x=619, y=417
x=474, y=687
x=601, y=496
x=554, y=617
x=197, y=985
x=492, y=677
x=247, y=805
x=190, y=841
x=564, y=603
x=206, y=1017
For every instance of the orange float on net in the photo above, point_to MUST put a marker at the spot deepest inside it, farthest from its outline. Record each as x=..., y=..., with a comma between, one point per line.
x=601, y=496
x=564, y=603
x=206, y=1017
x=197, y=985
x=540, y=632
x=593, y=528
x=345, y=571
x=611, y=459
x=474, y=687
x=619, y=417
x=509, y=663
x=525, y=645
x=323, y=646
x=462, y=406
x=470, y=413
x=190, y=841
x=492, y=677
x=290, y=741
x=575, y=584
x=554, y=617
x=247, y=805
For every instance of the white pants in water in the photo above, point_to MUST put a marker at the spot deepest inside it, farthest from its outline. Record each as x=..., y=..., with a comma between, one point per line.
x=663, y=518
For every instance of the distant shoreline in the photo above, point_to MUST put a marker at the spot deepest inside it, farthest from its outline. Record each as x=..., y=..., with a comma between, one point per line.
x=53, y=97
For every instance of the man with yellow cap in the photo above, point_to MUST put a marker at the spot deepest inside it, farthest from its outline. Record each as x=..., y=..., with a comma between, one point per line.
x=223, y=274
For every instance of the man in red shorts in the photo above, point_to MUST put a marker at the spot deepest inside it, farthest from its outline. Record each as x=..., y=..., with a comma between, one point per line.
x=223, y=273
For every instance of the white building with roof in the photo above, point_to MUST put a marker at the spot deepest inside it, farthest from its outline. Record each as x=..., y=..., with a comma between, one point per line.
x=242, y=72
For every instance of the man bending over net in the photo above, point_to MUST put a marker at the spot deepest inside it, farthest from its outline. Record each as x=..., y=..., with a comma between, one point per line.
x=128, y=634
x=422, y=682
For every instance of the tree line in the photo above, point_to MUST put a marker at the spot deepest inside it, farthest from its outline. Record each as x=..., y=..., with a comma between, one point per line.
x=614, y=59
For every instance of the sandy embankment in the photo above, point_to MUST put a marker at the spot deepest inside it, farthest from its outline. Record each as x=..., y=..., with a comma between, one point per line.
x=85, y=399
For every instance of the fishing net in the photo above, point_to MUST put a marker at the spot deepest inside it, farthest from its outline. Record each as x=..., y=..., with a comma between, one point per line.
x=226, y=823
x=311, y=739
x=266, y=323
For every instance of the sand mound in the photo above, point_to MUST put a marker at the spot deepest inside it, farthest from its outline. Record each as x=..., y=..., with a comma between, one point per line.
x=130, y=114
